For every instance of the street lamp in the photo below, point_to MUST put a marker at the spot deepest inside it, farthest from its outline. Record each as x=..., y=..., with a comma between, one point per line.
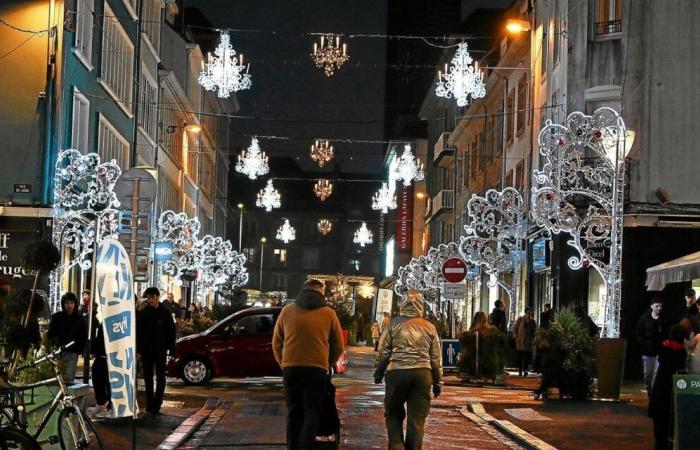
x=240, y=228
x=262, y=248
x=517, y=26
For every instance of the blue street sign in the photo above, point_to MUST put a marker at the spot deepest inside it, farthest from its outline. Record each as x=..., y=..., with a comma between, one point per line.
x=163, y=251
x=451, y=349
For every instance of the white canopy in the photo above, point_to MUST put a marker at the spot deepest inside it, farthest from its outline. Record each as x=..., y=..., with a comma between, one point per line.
x=685, y=268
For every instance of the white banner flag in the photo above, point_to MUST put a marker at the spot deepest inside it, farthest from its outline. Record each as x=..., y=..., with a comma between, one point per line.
x=117, y=313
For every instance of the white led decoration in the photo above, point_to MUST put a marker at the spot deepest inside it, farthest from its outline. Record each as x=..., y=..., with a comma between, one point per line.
x=384, y=199
x=323, y=189
x=224, y=71
x=286, y=232
x=269, y=197
x=330, y=55
x=321, y=152
x=461, y=80
x=408, y=168
x=424, y=272
x=253, y=162
x=363, y=235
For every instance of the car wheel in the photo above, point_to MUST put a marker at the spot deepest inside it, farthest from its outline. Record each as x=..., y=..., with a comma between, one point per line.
x=195, y=371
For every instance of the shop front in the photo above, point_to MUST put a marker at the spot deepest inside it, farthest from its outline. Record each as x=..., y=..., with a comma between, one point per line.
x=15, y=234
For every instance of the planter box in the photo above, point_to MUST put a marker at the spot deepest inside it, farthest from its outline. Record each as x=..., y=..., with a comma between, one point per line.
x=610, y=365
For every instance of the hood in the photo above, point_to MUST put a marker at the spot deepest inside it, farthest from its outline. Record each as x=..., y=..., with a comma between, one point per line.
x=63, y=305
x=412, y=305
x=310, y=299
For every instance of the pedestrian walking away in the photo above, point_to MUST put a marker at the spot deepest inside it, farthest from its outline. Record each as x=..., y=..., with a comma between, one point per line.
x=411, y=361
x=307, y=341
x=67, y=326
x=650, y=332
x=155, y=338
x=498, y=316
x=524, y=334
x=375, y=334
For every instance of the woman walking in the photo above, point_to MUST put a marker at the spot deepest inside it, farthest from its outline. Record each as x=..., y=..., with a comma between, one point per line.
x=375, y=335
x=524, y=332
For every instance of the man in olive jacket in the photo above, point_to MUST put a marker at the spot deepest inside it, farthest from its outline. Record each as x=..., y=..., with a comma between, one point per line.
x=411, y=356
x=307, y=341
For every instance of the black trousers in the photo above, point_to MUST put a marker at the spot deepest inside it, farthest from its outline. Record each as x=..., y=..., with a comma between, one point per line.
x=154, y=399
x=523, y=361
x=100, y=380
x=304, y=389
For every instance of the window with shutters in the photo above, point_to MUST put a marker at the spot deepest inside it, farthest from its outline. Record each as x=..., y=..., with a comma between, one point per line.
x=510, y=110
x=151, y=21
x=116, y=74
x=84, y=16
x=81, y=122
x=168, y=193
x=522, y=105
x=148, y=102
x=111, y=145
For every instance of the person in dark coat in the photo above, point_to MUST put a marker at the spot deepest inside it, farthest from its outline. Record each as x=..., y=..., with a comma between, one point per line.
x=155, y=337
x=672, y=358
x=546, y=316
x=650, y=332
x=100, y=372
x=67, y=326
x=524, y=333
x=498, y=316
x=689, y=310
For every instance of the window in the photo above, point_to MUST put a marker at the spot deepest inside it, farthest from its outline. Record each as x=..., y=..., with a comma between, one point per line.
x=279, y=282
x=522, y=104
x=81, y=120
x=252, y=324
x=609, y=19
x=190, y=208
x=189, y=157
x=151, y=21
x=207, y=180
x=280, y=256
x=112, y=145
x=510, y=107
x=148, y=102
x=249, y=254
x=116, y=75
x=311, y=258
x=556, y=41
x=250, y=230
x=84, y=11
x=519, y=172
x=169, y=193
x=544, y=49
x=355, y=265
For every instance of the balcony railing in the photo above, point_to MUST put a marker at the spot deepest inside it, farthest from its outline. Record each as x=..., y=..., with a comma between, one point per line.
x=609, y=27
x=443, y=153
x=444, y=200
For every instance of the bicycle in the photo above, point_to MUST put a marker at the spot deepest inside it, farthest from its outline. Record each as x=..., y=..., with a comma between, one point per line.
x=74, y=431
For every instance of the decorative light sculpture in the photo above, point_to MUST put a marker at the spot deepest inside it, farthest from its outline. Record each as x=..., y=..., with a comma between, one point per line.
x=224, y=72
x=424, y=272
x=330, y=55
x=366, y=290
x=323, y=189
x=384, y=199
x=324, y=226
x=183, y=232
x=321, y=152
x=569, y=175
x=253, y=162
x=217, y=264
x=286, y=232
x=269, y=197
x=494, y=239
x=461, y=80
x=409, y=167
x=363, y=236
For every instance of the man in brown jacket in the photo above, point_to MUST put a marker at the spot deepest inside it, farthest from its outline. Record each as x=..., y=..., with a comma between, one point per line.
x=307, y=341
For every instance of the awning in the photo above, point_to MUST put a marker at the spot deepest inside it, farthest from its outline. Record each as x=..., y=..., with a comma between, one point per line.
x=678, y=270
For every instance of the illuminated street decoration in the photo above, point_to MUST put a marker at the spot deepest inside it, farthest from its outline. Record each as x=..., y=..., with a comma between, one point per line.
x=366, y=290
x=321, y=152
x=269, y=197
x=461, y=80
x=494, y=239
x=324, y=226
x=584, y=159
x=384, y=199
x=409, y=168
x=330, y=55
x=424, y=272
x=286, y=232
x=323, y=189
x=252, y=162
x=224, y=71
x=363, y=236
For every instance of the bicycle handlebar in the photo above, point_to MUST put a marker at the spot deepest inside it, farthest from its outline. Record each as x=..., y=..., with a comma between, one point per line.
x=53, y=356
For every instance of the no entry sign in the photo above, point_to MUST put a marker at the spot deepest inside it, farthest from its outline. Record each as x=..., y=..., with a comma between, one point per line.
x=454, y=270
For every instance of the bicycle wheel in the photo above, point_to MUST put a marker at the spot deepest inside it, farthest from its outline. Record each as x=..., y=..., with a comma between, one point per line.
x=14, y=439
x=70, y=433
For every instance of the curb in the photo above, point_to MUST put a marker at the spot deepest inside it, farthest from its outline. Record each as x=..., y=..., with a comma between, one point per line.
x=189, y=426
x=507, y=428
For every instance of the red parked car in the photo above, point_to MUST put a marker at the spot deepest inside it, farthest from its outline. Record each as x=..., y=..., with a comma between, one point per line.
x=237, y=346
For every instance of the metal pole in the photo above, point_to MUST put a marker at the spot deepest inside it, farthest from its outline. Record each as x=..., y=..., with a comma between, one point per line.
x=93, y=299
x=134, y=221
x=240, y=229
x=262, y=247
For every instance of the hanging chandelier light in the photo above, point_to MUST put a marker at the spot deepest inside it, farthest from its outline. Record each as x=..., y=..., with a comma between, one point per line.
x=384, y=199
x=268, y=197
x=286, y=232
x=321, y=152
x=363, y=236
x=409, y=168
x=461, y=80
x=253, y=162
x=323, y=189
x=324, y=226
x=224, y=72
x=330, y=56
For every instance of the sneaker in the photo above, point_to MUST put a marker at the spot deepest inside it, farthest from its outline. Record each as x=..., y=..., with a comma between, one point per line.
x=93, y=410
x=104, y=414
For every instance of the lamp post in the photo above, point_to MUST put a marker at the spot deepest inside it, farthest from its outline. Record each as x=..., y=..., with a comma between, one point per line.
x=240, y=228
x=262, y=248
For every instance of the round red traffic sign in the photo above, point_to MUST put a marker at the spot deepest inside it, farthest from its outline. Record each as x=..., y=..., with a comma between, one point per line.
x=454, y=270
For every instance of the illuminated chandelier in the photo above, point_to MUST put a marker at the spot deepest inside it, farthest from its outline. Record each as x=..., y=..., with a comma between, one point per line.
x=409, y=168
x=363, y=235
x=224, y=72
x=323, y=189
x=286, y=232
x=253, y=162
x=324, y=226
x=329, y=56
x=366, y=290
x=321, y=152
x=268, y=197
x=384, y=199
x=461, y=80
